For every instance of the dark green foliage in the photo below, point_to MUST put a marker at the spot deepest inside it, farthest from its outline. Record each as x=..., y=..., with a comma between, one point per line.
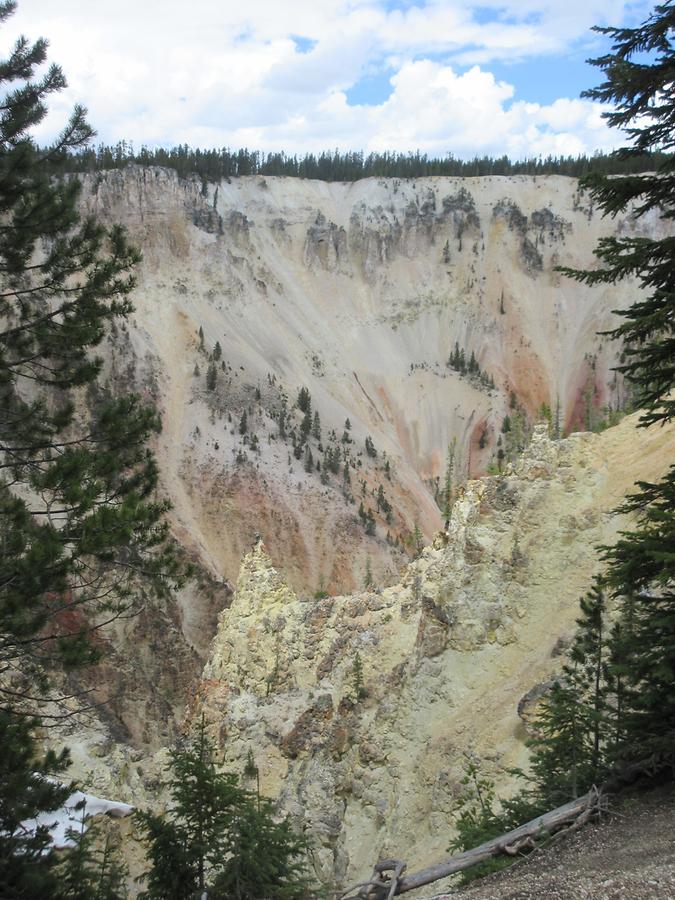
x=477, y=821
x=576, y=725
x=243, y=423
x=267, y=858
x=26, y=870
x=417, y=539
x=218, y=837
x=447, y=494
x=81, y=532
x=382, y=502
x=306, y=425
x=316, y=426
x=217, y=351
x=63, y=281
x=93, y=869
x=641, y=565
x=370, y=447
x=457, y=362
x=332, y=459
x=211, y=377
x=358, y=687
x=304, y=400
x=213, y=165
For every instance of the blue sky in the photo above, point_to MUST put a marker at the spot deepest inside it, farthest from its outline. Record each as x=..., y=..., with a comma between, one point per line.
x=442, y=76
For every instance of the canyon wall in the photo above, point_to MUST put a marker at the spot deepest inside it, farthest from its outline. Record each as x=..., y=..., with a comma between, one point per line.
x=360, y=292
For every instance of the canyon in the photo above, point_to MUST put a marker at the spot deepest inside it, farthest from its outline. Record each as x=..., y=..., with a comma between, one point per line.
x=356, y=640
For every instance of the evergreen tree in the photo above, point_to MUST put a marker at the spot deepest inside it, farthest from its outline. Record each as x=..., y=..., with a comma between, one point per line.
x=561, y=750
x=80, y=529
x=26, y=866
x=368, y=577
x=357, y=677
x=448, y=486
x=93, y=868
x=243, y=423
x=306, y=425
x=304, y=400
x=211, y=377
x=417, y=539
x=316, y=426
x=90, y=478
x=218, y=840
x=576, y=728
x=641, y=565
x=476, y=820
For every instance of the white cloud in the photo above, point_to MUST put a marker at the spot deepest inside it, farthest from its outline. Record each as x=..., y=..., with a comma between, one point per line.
x=218, y=72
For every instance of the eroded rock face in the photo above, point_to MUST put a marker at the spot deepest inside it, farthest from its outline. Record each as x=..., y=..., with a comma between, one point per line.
x=359, y=708
x=359, y=292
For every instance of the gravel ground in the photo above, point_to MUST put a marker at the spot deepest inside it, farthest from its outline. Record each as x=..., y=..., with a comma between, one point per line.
x=631, y=856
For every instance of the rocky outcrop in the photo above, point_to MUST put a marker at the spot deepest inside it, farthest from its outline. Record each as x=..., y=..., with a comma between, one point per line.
x=359, y=709
x=359, y=292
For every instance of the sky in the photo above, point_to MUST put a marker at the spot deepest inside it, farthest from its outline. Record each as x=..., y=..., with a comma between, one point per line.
x=440, y=76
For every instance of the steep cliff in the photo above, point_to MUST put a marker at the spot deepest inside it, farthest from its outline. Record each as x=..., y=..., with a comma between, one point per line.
x=360, y=292
x=360, y=705
x=359, y=710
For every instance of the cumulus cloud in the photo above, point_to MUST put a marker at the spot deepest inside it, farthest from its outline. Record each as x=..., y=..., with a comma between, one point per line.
x=217, y=73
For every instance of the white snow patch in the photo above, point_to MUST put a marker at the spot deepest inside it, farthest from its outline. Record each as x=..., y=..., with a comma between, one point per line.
x=73, y=815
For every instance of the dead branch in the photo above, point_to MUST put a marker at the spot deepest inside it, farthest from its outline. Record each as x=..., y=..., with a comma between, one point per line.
x=575, y=813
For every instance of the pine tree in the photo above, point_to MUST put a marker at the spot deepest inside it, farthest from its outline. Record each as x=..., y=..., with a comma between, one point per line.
x=448, y=482
x=218, y=839
x=26, y=866
x=211, y=377
x=576, y=726
x=357, y=678
x=306, y=425
x=641, y=565
x=78, y=519
x=92, y=478
x=93, y=869
x=417, y=539
x=304, y=401
x=316, y=426
x=368, y=577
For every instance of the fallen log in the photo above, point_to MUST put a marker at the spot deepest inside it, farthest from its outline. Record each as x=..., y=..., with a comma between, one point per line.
x=508, y=844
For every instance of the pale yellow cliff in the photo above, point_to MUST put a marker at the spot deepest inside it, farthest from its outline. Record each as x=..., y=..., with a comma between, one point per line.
x=447, y=653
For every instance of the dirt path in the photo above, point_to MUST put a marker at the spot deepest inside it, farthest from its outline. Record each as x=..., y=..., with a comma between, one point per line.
x=630, y=857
